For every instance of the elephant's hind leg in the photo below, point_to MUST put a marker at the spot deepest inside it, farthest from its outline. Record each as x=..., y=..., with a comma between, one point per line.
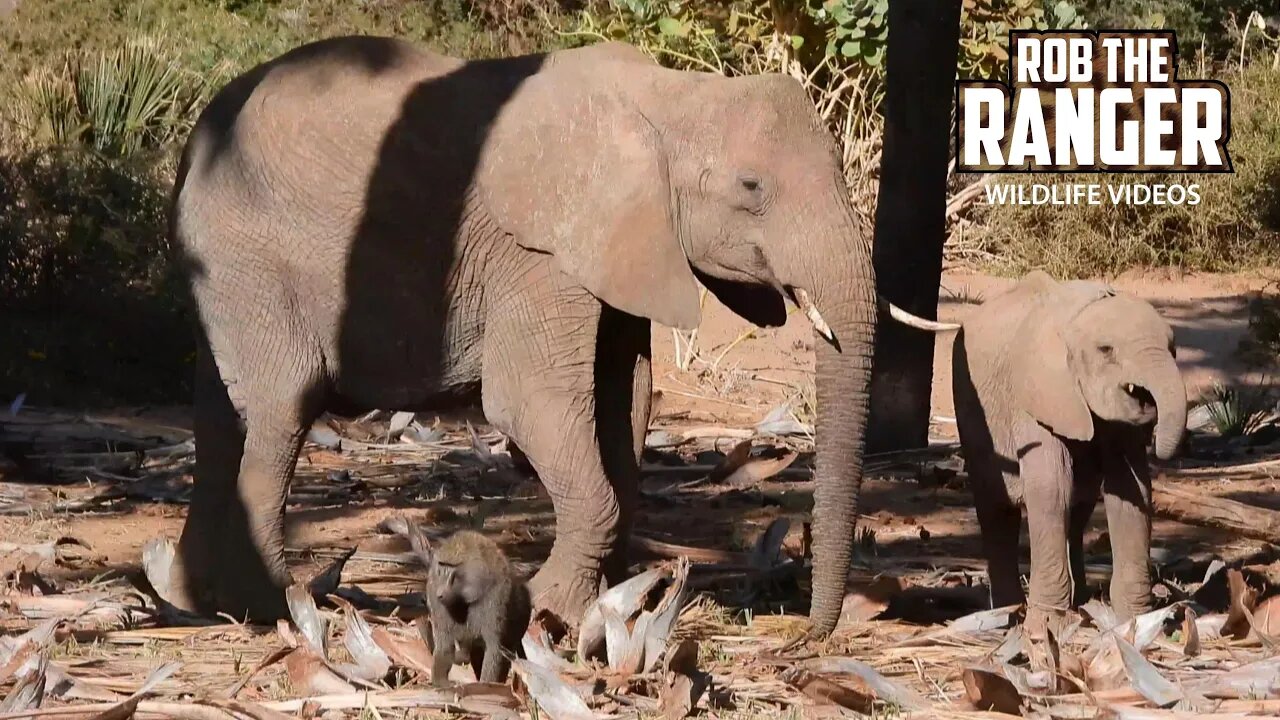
x=1088, y=481
x=272, y=442
x=1001, y=525
x=624, y=385
x=248, y=436
x=219, y=430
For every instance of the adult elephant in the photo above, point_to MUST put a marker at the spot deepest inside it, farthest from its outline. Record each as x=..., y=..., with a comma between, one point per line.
x=367, y=224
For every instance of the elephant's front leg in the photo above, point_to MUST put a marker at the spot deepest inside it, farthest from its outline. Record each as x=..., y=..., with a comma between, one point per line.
x=1045, y=466
x=539, y=388
x=1126, y=488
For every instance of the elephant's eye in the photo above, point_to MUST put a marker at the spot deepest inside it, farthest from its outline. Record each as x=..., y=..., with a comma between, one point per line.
x=1106, y=350
x=751, y=195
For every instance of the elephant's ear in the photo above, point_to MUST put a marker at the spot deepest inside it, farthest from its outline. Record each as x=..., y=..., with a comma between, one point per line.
x=571, y=168
x=1043, y=384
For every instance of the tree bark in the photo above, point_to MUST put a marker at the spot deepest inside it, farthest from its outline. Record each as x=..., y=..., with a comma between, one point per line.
x=924, y=41
x=1187, y=506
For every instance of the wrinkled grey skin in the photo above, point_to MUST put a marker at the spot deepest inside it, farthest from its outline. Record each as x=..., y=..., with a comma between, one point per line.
x=369, y=225
x=1045, y=420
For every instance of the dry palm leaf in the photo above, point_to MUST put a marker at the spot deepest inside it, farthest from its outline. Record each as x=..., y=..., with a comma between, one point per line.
x=553, y=696
x=990, y=691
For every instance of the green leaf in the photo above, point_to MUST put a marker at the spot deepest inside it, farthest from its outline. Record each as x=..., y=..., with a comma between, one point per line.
x=1064, y=12
x=864, y=21
x=1155, y=20
x=673, y=27
x=796, y=42
x=876, y=59
x=851, y=48
x=857, y=32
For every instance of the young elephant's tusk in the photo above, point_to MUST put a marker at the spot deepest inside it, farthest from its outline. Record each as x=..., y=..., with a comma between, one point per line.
x=920, y=323
x=811, y=311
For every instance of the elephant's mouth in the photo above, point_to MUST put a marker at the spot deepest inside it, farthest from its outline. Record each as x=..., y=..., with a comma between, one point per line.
x=1142, y=398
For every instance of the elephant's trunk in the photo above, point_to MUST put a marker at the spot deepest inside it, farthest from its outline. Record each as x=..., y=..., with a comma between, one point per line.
x=1160, y=376
x=848, y=305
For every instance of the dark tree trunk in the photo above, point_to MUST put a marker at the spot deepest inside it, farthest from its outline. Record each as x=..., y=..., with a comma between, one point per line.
x=924, y=40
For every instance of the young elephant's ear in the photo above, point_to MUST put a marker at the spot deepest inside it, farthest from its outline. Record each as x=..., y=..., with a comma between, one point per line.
x=1044, y=385
x=573, y=169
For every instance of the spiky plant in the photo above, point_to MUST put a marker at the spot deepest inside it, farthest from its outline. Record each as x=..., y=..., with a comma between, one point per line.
x=131, y=98
x=116, y=102
x=44, y=108
x=1237, y=411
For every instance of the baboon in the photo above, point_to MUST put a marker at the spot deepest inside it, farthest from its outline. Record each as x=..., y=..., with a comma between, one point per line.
x=479, y=607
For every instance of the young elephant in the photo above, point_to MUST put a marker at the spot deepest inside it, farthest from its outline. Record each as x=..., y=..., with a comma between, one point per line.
x=1057, y=387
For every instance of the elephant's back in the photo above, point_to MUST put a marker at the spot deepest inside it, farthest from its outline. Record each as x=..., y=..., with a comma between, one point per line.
x=297, y=115
x=341, y=133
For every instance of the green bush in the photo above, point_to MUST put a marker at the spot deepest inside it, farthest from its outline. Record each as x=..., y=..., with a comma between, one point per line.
x=1236, y=225
x=93, y=310
x=849, y=36
x=1211, y=24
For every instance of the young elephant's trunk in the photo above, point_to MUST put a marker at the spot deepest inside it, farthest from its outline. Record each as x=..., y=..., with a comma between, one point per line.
x=1160, y=376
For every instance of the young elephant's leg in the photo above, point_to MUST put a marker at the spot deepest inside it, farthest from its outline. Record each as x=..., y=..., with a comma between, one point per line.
x=624, y=383
x=1001, y=524
x=1084, y=500
x=538, y=385
x=1126, y=488
x=1045, y=467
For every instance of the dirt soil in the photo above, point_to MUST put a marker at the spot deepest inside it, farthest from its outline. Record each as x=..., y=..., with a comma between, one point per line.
x=916, y=517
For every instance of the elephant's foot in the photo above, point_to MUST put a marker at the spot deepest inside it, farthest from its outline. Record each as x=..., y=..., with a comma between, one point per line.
x=167, y=572
x=564, y=591
x=238, y=584
x=1042, y=620
x=1130, y=607
x=616, y=567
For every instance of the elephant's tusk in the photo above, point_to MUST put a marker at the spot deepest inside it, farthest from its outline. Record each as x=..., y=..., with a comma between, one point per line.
x=810, y=311
x=920, y=323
